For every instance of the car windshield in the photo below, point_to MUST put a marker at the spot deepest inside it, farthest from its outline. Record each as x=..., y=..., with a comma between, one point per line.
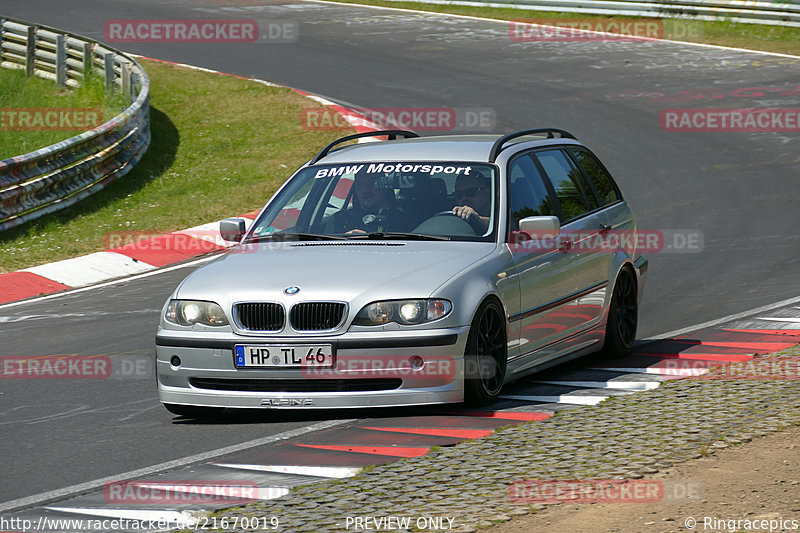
x=409, y=200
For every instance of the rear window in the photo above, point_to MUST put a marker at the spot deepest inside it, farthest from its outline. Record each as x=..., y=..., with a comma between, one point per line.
x=566, y=183
x=603, y=184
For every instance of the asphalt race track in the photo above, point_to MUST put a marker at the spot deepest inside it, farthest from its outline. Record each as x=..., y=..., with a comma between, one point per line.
x=738, y=190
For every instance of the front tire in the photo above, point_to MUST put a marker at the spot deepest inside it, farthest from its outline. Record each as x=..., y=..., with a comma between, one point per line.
x=193, y=411
x=486, y=356
x=623, y=316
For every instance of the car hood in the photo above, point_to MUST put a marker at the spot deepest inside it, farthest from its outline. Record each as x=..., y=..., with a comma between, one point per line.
x=348, y=271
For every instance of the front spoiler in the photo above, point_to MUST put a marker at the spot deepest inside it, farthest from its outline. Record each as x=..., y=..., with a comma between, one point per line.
x=394, y=398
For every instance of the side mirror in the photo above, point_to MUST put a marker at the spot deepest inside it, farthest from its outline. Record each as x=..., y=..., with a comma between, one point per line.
x=233, y=229
x=542, y=227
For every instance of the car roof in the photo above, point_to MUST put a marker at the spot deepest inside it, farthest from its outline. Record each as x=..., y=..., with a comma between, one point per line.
x=473, y=148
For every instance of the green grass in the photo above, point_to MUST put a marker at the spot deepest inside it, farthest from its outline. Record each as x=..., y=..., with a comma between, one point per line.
x=220, y=147
x=36, y=95
x=785, y=40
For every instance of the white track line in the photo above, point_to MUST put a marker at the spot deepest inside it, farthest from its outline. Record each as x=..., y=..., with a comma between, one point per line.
x=722, y=320
x=192, y=488
x=625, y=385
x=337, y=472
x=557, y=398
x=90, y=486
x=503, y=21
x=662, y=371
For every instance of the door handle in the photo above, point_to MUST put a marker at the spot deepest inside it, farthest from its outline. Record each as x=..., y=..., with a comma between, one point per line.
x=604, y=228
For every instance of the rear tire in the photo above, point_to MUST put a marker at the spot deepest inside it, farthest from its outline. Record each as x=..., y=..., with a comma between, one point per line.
x=193, y=411
x=623, y=316
x=486, y=355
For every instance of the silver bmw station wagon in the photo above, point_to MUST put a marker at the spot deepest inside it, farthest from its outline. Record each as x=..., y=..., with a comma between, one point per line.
x=415, y=270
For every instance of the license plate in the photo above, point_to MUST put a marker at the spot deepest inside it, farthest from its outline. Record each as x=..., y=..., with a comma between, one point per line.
x=283, y=356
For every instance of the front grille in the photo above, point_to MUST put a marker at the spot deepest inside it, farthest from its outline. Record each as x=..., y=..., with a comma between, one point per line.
x=314, y=316
x=296, y=385
x=260, y=316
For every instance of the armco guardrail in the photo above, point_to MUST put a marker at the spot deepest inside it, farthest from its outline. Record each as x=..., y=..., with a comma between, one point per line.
x=60, y=175
x=773, y=13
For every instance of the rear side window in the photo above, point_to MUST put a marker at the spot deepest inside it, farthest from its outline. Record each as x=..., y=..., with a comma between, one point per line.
x=601, y=180
x=565, y=178
x=527, y=194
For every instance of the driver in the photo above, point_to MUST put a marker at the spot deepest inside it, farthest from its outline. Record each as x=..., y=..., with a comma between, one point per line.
x=473, y=199
x=373, y=208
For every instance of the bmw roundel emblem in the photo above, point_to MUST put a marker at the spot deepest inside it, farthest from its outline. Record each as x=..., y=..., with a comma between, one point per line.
x=291, y=290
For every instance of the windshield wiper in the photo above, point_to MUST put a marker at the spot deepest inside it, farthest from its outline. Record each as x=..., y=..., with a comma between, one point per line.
x=278, y=237
x=389, y=235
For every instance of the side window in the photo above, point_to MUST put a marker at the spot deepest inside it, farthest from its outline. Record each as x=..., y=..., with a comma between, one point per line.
x=601, y=180
x=564, y=177
x=527, y=194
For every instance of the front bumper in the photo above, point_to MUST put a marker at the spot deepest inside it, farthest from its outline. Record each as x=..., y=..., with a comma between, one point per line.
x=370, y=370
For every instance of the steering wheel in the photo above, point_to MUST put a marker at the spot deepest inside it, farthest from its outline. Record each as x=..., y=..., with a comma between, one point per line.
x=450, y=225
x=473, y=223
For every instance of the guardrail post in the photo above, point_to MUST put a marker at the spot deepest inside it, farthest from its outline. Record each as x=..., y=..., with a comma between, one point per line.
x=126, y=80
x=30, y=51
x=108, y=64
x=136, y=83
x=61, y=61
x=87, y=61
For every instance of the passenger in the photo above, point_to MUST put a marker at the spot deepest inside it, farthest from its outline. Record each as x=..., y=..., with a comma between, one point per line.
x=473, y=200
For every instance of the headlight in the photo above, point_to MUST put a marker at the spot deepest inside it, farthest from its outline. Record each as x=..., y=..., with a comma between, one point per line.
x=406, y=312
x=190, y=312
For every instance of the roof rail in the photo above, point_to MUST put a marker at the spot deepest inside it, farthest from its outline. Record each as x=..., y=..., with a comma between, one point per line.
x=497, y=147
x=393, y=134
